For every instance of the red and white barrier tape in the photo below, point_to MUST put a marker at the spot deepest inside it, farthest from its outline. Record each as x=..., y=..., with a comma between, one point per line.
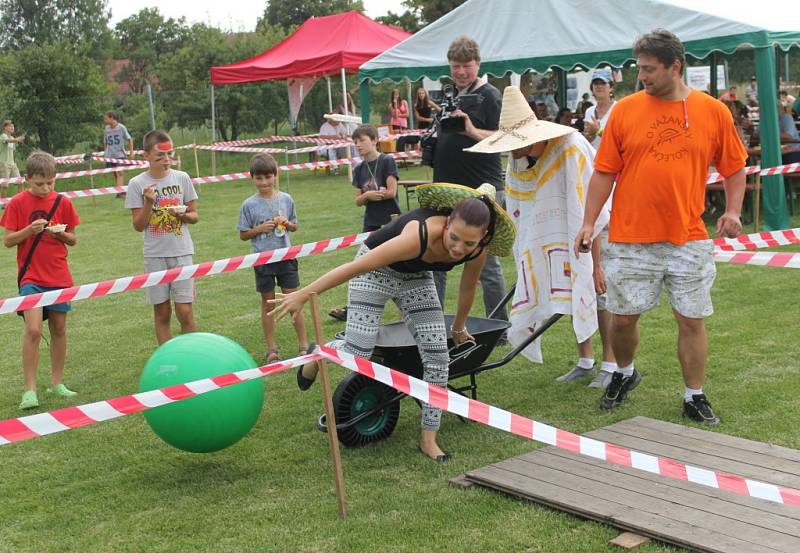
x=759, y=240
x=768, y=172
x=43, y=424
x=266, y=140
x=321, y=147
x=123, y=161
x=716, y=177
x=781, y=170
x=533, y=430
x=199, y=180
x=242, y=150
x=82, y=173
x=769, y=259
x=145, y=280
x=59, y=420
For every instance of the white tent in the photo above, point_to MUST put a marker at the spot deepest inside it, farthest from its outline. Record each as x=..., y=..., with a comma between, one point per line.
x=522, y=35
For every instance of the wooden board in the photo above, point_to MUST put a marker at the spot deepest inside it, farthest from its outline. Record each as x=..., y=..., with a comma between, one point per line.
x=674, y=511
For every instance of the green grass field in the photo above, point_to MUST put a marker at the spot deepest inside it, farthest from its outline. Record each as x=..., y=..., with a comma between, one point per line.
x=116, y=487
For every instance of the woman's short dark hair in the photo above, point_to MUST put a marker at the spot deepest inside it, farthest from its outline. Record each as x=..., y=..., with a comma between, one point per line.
x=477, y=212
x=662, y=45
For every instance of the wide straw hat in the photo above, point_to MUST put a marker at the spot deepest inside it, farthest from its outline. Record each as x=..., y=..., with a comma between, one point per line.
x=519, y=127
x=444, y=197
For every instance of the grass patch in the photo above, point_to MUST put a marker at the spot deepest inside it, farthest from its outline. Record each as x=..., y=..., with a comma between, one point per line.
x=116, y=487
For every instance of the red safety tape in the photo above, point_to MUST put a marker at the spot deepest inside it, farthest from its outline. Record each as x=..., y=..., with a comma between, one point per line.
x=507, y=421
x=758, y=240
x=769, y=259
x=146, y=280
x=43, y=424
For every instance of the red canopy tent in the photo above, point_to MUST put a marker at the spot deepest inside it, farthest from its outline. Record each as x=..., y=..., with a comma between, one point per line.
x=320, y=47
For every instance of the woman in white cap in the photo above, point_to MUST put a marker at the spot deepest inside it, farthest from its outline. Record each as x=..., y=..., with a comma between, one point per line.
x=596, y=117
x=455, y=225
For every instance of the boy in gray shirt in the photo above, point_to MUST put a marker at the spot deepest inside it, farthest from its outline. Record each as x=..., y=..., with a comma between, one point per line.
x=115, y=137
x=162, y=204
x=266, y=218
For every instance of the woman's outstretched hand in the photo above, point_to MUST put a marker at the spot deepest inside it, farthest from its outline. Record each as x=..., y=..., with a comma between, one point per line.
x=288, y=304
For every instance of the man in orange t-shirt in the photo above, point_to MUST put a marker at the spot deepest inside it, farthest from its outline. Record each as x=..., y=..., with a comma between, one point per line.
x=658, y=145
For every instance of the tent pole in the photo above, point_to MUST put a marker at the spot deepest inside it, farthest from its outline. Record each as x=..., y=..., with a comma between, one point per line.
x=344, y=94
x=712, y=88
x=363, y=90
x=410, y=105
x=213, y=132
x=774, y=212
x=330, y=100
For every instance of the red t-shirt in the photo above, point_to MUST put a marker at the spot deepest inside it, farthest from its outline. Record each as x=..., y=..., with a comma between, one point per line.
x=49, y=263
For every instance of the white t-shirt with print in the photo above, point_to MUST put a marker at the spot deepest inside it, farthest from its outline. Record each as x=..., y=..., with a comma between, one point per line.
x=165, y=234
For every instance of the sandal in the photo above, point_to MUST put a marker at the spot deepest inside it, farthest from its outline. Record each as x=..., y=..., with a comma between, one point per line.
x=273, y=356
x=340, y=313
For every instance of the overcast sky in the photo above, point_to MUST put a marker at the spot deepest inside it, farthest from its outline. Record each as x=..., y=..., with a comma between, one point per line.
x=242, y=14
x=231, y=14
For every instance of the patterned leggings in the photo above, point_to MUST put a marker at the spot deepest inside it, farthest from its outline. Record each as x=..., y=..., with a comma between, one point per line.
x=415, y=295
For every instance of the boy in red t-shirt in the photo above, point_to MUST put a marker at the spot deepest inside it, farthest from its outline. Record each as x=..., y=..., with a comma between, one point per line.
x=28, y=215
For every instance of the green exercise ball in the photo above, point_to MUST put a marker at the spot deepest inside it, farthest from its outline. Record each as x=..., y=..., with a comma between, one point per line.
x=210, y=421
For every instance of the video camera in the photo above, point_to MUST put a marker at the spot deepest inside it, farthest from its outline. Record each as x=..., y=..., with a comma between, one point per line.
x=444, y=121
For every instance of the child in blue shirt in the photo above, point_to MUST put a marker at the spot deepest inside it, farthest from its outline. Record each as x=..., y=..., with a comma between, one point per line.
x=266, y=218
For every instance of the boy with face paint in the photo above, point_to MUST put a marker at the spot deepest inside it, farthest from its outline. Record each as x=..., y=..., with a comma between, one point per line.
x=162, y=204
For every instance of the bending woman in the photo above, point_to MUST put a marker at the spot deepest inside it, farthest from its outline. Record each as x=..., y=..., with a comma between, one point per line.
x=456, y=225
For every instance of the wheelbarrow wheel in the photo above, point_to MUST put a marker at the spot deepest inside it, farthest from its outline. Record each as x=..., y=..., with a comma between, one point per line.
x=357, y=394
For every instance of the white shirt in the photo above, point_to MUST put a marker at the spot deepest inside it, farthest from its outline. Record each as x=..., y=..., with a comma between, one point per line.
x=589, y=115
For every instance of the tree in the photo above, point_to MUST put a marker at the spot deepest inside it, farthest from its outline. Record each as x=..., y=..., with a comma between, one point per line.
x=55, y=95
x=79, y=25
x=143, y=39
x=420, y=13
x=184, y=77
x=290, y=13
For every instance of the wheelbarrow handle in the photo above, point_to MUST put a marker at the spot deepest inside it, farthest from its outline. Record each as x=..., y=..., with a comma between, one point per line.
x=503, y=302
x=525, y=343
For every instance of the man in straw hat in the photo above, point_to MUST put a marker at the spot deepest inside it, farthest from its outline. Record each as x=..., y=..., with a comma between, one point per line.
x=455, y=165
x=456, y=225
x=546, y=182
x=658, y=145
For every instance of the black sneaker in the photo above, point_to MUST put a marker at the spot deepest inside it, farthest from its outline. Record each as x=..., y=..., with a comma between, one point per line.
x=617, y=390
x=699, y=410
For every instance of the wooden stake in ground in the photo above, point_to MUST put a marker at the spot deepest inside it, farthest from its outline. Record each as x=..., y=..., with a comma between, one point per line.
x=91, y=181
x=196, y=163
x=330, y=417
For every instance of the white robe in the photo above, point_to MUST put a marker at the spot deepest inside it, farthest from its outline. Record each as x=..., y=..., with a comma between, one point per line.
x=546, y=202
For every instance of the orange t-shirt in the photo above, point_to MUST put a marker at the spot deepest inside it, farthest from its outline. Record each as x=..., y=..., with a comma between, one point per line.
x=661, y=151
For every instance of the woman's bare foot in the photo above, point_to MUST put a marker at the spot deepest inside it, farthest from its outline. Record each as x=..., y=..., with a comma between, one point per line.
x=429, y=447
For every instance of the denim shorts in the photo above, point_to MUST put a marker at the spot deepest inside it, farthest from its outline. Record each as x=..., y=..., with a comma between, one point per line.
x=30, y=289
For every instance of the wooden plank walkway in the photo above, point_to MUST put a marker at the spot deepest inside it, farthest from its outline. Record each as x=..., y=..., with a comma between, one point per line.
x=673, y=511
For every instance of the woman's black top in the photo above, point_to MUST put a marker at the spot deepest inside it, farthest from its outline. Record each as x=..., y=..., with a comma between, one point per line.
x=416, y=265
x=424, y=112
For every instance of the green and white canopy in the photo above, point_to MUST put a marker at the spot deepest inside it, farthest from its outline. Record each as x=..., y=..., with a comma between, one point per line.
x=518, y=35
x=521, y=35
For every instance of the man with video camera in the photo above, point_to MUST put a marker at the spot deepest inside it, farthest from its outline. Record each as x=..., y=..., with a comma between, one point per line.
x=477, y=106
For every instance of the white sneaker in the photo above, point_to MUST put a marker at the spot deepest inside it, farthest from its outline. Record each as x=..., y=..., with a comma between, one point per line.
x=601, y=379
x=576, y=373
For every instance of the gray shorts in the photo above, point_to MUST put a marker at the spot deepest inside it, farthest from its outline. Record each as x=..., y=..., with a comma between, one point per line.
x=180, y=292
x=8, y=171
x=635, y=274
